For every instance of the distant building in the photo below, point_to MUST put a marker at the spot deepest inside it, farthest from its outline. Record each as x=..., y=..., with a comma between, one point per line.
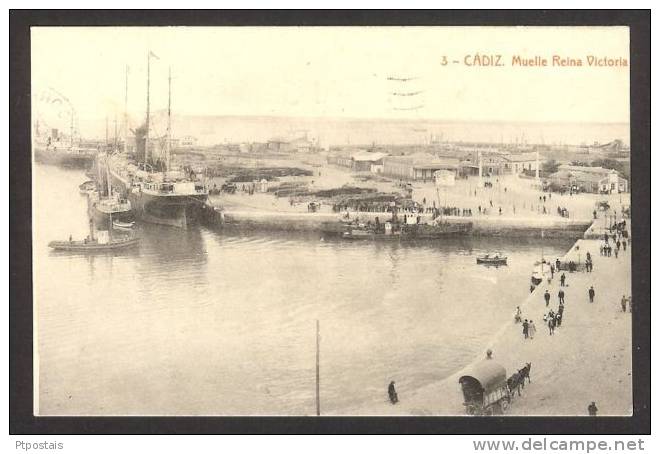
x=360, y=160
x=188, y=142
x=365, y=161
x=294, y=145
x=589, y=179
x=520, y=162
x=418, y=166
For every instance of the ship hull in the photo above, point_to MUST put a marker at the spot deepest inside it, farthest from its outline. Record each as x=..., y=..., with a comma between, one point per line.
x=103, y=220
x=171, y=210
x=64, y=159
x=411, y=232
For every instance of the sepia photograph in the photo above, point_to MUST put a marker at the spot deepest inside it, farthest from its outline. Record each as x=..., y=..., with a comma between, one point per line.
x=335, y=221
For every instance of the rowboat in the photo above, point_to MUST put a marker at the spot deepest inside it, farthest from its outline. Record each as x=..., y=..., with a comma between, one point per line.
x=491, y=259
x=87, y=187
x=123, y=225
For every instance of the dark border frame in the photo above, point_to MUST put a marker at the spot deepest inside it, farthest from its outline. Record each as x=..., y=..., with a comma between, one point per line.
x=22, y=420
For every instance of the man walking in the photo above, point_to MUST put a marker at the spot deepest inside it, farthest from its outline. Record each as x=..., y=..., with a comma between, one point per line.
x=592, y=293
x=391, y=391
x=551, y=324
x=562, y=280
x=526, y=329
x=546, y=295
x=623, y=303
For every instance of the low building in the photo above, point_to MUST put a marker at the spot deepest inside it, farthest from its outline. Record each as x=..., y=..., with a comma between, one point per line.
x=418, y=166
x=517, y=163
x=365, y=161
x=589, y=179
x=360, y=160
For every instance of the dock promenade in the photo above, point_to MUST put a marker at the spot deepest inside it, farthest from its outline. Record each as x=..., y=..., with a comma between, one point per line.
x=589, y=357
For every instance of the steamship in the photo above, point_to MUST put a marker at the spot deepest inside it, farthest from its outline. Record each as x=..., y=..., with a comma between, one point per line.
x=157, y=192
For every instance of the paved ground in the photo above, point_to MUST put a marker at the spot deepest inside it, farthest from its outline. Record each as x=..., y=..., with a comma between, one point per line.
x=518, y=197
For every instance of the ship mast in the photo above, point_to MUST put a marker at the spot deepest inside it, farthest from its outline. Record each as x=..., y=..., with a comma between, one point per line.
x=71, y=134
x=169, y=120
x=116, y=144
x=126, y=109
x=146, y=135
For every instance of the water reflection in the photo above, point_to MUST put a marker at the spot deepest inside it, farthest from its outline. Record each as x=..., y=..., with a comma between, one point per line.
x=223, y=322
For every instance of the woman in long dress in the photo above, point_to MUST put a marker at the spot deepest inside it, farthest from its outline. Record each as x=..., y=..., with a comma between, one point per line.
x=532, y=329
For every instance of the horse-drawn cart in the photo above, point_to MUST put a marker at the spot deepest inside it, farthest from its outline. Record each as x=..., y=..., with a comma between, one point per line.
x=485, y=389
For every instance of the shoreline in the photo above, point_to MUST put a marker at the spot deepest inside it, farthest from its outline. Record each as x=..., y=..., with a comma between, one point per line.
x=505, y=226
x=569, y=369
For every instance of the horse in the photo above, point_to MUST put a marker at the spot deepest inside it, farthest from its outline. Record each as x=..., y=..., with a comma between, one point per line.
x=524, y=373
x=513, y=383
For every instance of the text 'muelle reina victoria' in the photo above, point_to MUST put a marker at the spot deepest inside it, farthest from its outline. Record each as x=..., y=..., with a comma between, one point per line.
x=495, y=60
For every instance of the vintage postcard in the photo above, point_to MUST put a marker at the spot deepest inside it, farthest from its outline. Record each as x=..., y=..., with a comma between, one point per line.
x=334, y=221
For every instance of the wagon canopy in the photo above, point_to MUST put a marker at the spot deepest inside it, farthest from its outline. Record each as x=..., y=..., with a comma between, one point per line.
x=485, y=376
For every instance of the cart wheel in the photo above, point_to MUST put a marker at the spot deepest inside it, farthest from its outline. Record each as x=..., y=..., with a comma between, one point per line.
x=505, y=404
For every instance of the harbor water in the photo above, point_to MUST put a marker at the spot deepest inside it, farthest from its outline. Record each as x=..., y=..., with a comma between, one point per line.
x=206, y=322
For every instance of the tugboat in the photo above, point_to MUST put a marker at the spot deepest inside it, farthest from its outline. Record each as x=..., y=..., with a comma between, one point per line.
x=101, y=241
x=395, y=230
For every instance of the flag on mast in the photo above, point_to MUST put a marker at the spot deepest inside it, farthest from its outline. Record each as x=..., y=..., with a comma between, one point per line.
x=151, y=54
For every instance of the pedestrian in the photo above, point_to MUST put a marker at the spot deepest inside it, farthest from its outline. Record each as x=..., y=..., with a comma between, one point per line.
x=546, y=295
x=551, y=324
x=489, y=354
x=558, y=318
x=531, y=329
x=623, y=303
x=562, y=280
x=592, y=293
x=561, y=297
x=592, y=409
x=525, y=329
x=391, y=391
x=616, y=253
x=557, y=264
x=624, y=244
x=552, y=271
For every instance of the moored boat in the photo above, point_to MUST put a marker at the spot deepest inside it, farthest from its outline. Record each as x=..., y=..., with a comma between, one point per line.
x=158, y=193
x=87, y=187
x=392, y=230
x=123, y=225
x=94, y=245
x=541, y=272
x=495, y=259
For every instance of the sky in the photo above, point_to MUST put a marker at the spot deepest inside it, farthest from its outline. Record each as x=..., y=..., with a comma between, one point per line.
x=332, y=72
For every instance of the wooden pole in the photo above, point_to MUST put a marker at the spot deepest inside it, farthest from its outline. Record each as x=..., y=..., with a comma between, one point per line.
x=318, y=345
